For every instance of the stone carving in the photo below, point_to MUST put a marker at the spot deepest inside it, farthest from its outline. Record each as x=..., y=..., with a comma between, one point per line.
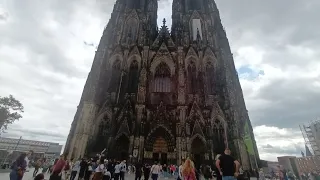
x=212, y=109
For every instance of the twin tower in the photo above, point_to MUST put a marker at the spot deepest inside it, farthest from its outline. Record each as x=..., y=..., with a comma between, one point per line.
x=159, y=95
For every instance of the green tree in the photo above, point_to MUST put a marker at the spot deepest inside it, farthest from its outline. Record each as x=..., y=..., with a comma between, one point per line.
x=10, y=111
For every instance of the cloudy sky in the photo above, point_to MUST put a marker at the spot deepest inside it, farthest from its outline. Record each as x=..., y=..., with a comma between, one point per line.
x=45, y=56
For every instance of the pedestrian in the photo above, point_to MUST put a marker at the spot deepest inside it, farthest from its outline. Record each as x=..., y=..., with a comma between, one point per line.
x=155, y=171
x=67, y=170
x=117, y=171
x=37, y=165
x=146, y=171
x=75, y=170
x=138, y=171
x=123, y=169
x=18, y=168
x=188, y=171
x=83, y=168
x=58, y=169
x=99, y=171
x=228, y=167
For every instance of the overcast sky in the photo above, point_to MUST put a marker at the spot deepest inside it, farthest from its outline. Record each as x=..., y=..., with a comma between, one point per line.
x=44, y=63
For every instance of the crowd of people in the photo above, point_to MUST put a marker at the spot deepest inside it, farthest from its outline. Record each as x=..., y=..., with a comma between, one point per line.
x=99, y=168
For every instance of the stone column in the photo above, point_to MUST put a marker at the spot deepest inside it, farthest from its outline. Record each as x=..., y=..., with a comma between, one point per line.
x=141, y=146
x=243, y=154
x=83, y=130
x=131, y=145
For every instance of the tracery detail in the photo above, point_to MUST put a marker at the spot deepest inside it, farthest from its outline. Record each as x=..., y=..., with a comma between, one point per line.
x=162, y=79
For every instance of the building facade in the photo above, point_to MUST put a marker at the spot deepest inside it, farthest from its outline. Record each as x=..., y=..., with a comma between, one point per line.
x=153, y=94
x=308, y=164
x=311, y=134
x=11, y=148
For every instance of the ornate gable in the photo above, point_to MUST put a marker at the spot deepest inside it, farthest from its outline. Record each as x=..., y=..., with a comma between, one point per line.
x=133, y=14
x=163, y=37
x=195, y=15
x=196, y=112
x=126, y=111
x=192, y=55
x=124, y=129
x=134, y=55
x=217, y=113
x=163, y=55
x=197, y=129
x=209, y=57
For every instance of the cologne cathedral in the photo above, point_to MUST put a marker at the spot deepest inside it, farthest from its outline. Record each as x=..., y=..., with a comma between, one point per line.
x=160, y=94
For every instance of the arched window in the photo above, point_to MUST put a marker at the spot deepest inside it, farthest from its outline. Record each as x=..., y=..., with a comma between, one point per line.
x=130, y=32
x=162, y=80
x=133, y=77
x=115, y=76
x=219, y=136
x=104, y=127
x=192, y=78
x=210, y=78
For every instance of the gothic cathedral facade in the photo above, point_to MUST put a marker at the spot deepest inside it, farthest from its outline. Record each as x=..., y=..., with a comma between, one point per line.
x=154, y=94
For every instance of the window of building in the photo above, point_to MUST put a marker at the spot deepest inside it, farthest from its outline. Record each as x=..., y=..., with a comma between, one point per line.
x=162, y=79
x=210, y=78
x=133, y=77
x=196, y=29
x=192, y=78
x=115, y=76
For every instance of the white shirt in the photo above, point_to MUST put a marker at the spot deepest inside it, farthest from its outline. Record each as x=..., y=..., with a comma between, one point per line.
x=155, y=169
x=100, y=168
x=107, y=173
x=27, y=160
x=123, y=167
x=180, y=172
x=76, y=166
x=117, y=168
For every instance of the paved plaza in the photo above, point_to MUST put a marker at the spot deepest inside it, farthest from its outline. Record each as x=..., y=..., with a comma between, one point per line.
x=28, y=176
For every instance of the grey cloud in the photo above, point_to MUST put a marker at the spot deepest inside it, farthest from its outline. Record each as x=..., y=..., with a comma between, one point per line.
x=268, y=146
x=275, y=27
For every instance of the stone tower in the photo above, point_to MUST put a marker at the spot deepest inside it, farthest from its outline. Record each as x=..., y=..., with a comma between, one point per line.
x=153, y=94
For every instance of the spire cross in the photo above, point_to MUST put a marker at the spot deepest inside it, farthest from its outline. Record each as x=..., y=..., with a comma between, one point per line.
x=164, y=21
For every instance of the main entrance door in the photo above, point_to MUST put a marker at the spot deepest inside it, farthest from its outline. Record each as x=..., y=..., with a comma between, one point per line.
x=160, y=150
x=198, y=149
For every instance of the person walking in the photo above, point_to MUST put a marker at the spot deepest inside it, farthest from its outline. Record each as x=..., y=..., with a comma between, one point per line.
x=146, y=171
x=75, y=170
x=123, y=169
x=58, y=168
x=138, y=171
x=18, y=168
x=117, y=171
x=188, y=171
x=228, y=167
x=155, y=171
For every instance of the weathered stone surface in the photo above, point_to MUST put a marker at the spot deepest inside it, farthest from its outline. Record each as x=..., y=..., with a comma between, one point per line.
x=145, y=84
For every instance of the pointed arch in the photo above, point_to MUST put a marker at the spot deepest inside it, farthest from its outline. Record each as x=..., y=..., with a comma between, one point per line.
x=130, y=33
x=115, y=76
x=133, y=77
x=192, y=77
x=163, y=132
x=162, y=78
x=210, y=78
x=219, y=136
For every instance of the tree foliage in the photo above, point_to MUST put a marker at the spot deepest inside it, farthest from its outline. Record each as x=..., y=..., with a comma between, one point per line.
x=10, y=111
